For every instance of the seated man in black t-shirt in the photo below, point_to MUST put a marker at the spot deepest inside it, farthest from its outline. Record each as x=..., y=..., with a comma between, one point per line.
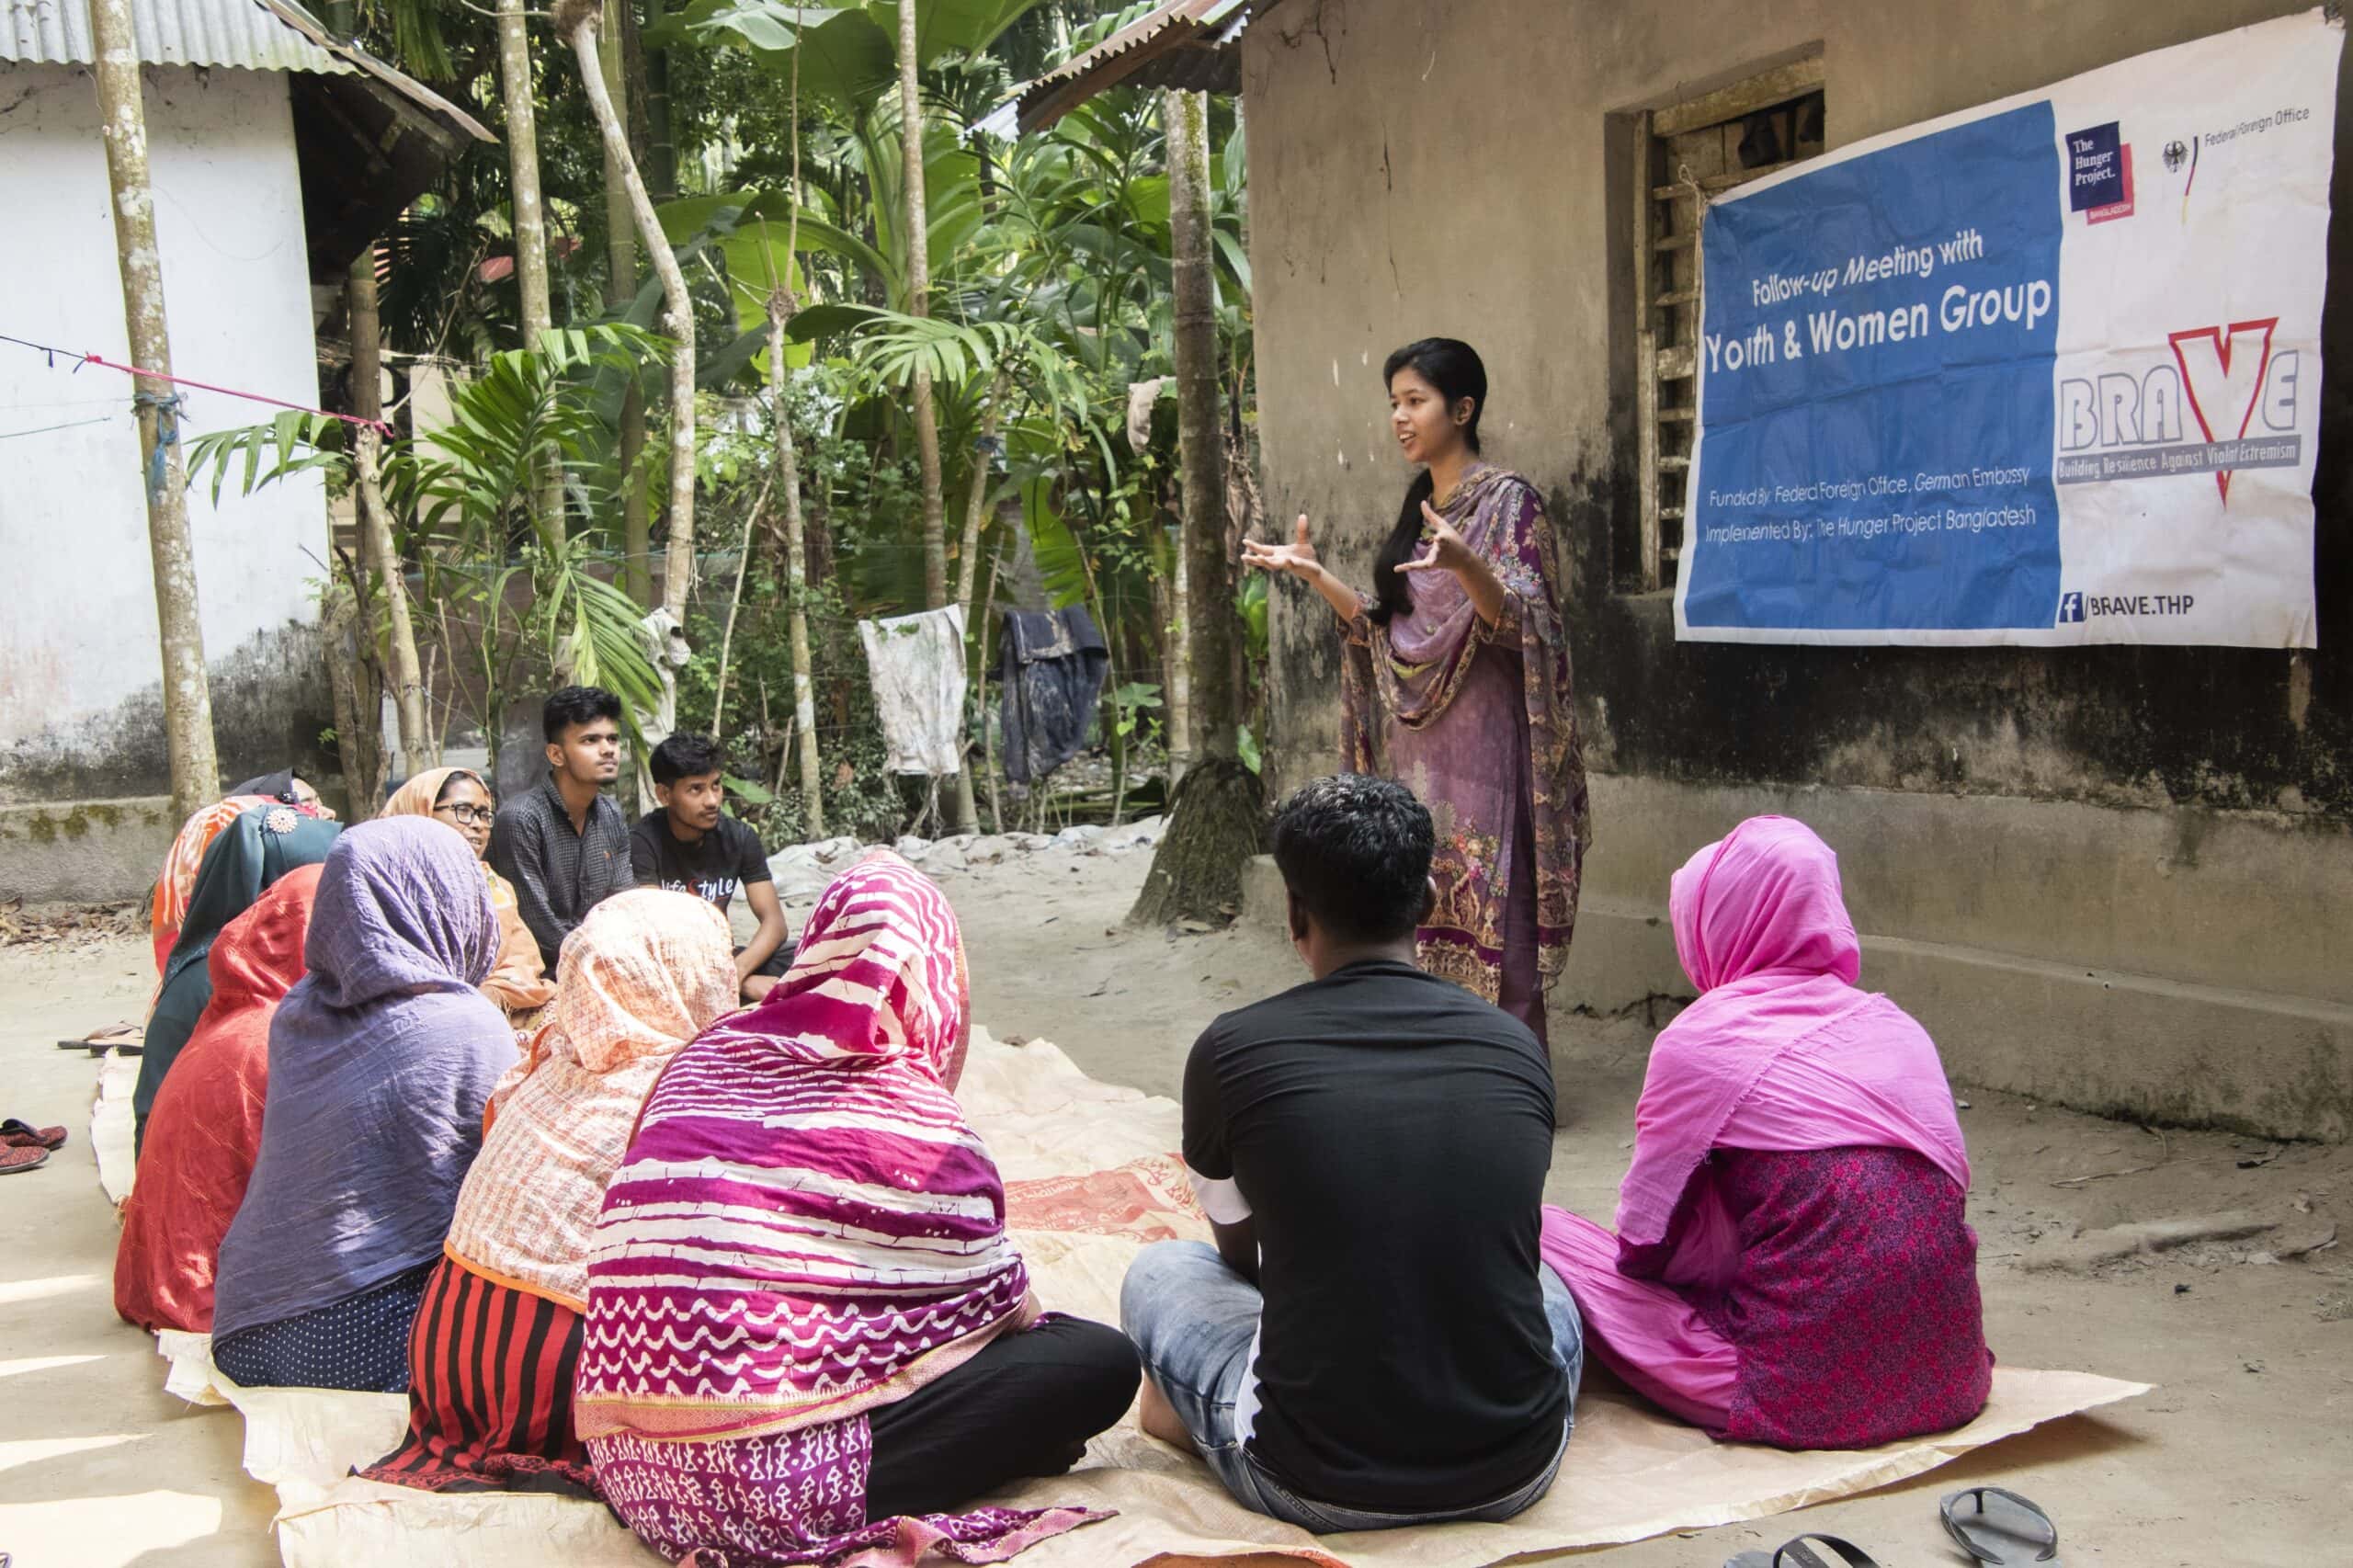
x=690, y=844
x=1372, y=1341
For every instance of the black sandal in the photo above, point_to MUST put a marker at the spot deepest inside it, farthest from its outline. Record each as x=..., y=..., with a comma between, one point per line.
x=1796, y=1553
x=2003, y=1535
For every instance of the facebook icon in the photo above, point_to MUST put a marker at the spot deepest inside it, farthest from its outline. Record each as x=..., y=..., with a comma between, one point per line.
x=2070, y=607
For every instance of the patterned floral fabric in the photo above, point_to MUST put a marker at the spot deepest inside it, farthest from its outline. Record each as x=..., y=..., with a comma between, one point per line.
x=646, y=971
x=1850, y=1315
x=804, y=1228
x=1479, y=721
x=1855, y=1309
x=758, y=1502
x=802, y=1182
x=181, y=863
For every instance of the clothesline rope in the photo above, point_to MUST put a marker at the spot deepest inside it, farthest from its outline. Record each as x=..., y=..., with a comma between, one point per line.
x=105, y=364
x=70, y=424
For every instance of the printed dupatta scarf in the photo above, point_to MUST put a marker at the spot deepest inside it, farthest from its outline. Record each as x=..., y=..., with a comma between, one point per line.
x=804, y=1227
x=1424, y=701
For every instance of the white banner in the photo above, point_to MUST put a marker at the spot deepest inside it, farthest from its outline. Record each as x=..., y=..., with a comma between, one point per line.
x=2044, y=373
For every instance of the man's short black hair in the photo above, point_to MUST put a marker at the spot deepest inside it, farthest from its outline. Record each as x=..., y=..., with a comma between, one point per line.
x=1355, y=851
x=684, y=755
x=572, y=705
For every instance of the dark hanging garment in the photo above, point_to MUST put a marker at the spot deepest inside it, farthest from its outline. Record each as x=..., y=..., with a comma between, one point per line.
x=1052, y=667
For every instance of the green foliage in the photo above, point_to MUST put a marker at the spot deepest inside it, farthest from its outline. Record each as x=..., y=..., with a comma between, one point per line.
x=848, y=55
x=1130, y=702
x=763, y=774
x=1250, y=604
x=1050, y=269
x=263, y=454
x=503, y=599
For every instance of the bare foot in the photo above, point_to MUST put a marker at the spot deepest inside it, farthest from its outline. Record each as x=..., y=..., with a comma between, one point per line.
x=1159, y=1419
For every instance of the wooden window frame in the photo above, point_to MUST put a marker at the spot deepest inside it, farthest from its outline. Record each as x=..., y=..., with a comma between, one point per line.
x=1667, y=216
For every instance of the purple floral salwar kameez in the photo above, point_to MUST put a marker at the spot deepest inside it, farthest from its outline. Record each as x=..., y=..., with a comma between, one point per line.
x=1479, y=721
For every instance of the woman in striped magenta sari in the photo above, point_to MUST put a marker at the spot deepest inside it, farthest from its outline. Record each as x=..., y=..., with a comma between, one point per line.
x=809, y=1337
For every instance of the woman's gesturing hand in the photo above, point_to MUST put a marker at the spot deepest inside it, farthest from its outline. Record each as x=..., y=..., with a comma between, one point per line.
x=1297, y=558
x=1448, y=552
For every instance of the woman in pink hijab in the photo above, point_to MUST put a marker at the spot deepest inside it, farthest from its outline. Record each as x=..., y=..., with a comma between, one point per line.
x=1792, y=1265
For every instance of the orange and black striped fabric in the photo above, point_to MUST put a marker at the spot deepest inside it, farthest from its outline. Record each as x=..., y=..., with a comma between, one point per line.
x=490, y=1393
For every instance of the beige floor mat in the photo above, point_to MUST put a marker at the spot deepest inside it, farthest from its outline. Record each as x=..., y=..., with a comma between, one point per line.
x=1092, y=1175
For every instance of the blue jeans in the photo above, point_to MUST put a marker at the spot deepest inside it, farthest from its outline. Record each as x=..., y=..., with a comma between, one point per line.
x=1194, y=1320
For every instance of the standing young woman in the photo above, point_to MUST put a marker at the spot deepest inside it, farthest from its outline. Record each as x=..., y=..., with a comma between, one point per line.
x=1455, y=682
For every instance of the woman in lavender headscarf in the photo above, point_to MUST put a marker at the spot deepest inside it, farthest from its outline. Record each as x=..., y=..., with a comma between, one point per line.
x=381, y=1060
x=1455, y=681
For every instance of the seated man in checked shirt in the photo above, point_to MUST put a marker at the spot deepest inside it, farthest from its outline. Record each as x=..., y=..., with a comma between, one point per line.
x=565, y=845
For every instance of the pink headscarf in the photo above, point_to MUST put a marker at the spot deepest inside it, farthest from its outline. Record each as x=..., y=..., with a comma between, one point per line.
x=1780, y=1052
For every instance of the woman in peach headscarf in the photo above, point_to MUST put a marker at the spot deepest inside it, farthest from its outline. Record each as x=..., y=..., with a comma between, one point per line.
x=457, y=797
x=646, y=972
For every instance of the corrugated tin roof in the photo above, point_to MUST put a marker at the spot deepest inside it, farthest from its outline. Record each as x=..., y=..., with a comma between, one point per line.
x=1186, y=43
x=244, y=34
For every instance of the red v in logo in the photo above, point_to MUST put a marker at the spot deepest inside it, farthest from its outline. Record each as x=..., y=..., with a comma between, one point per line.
x=2214, y=380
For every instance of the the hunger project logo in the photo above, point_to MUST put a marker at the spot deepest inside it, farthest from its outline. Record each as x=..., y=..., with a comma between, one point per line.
x=2099, y=174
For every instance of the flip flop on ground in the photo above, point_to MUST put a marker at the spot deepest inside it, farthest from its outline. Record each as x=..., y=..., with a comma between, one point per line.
x=1996, y=1525
x=1798, y=1552
x=13, y=1160
x=129, y=1039
x=17, y=1134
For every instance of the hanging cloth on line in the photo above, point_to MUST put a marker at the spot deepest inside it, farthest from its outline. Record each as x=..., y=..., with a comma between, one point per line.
x=917, y=663
x=1052, y=665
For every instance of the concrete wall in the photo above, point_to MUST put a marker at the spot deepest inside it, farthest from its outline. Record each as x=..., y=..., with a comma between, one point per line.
x=2177, y=816
x=80, y=697
x=81, y=701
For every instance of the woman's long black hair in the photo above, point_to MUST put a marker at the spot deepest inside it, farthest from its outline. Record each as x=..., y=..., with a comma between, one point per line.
x=1454, y=368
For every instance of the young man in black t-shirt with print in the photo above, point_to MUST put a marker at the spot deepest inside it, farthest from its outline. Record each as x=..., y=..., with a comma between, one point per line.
x=690, y=845
x=1372, y=1341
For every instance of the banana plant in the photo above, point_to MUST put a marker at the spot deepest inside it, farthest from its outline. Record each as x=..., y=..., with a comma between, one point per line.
x=463, y=495
x=849, y=54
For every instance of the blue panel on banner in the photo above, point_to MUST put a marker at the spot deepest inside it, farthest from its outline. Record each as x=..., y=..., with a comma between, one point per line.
x=1876, y=438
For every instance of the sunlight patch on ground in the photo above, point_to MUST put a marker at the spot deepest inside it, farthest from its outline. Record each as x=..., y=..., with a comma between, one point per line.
x=107, y=1532
x=32, y=1450
x=13, y=1292
x=43, y=1364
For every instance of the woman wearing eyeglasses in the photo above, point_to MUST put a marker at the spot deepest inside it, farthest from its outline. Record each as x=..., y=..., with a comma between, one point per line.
x=458, y=798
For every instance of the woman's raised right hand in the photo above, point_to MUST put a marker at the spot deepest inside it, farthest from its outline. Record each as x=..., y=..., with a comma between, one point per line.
x=1297, y=558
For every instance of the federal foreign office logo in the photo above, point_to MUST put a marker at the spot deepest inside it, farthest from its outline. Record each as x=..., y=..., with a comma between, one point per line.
x=2177, y=154
x=2071, y=609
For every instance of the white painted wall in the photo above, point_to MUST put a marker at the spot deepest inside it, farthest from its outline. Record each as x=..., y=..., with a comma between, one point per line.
x=78, y=634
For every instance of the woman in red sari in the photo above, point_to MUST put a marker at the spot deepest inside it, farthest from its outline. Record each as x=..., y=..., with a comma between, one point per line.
x=205, y=1129
x=1455, y=681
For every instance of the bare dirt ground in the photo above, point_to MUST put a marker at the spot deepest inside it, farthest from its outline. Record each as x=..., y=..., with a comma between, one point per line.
x=2240, y=1456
